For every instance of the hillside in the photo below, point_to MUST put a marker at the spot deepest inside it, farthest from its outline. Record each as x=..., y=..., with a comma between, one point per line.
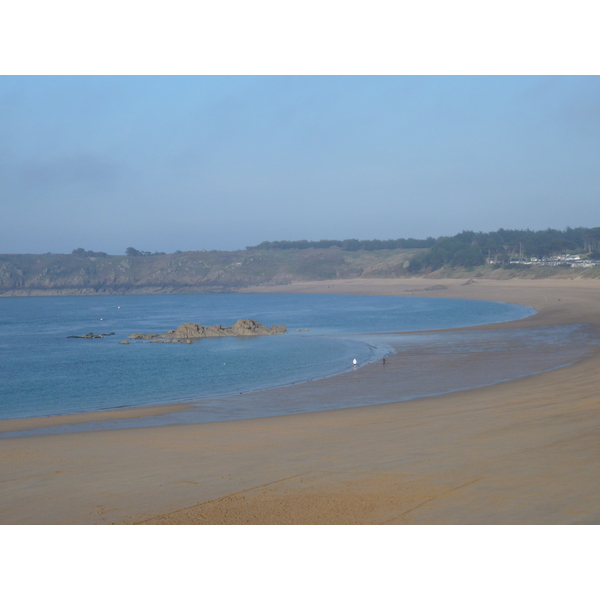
x=189, y=272
x=503, y=254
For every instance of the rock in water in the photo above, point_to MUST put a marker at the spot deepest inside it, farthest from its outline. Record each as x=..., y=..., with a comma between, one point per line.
x=189, y=331
x=90, y=336
x=250, y=327
x=143, y=336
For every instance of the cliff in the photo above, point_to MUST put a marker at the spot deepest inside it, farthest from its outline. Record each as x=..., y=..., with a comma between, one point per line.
x=187, y=272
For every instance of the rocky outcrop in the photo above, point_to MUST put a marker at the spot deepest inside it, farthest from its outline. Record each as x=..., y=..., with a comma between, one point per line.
x=190, y=331
x=10, y=276
x=90, y=336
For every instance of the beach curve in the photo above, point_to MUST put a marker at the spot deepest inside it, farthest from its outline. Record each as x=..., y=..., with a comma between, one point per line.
x=522, y=451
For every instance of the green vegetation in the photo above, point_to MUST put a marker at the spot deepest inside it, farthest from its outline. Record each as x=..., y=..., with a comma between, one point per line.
x=87, y=253
x=469, y=249
x=133, y=252
x=350, y=245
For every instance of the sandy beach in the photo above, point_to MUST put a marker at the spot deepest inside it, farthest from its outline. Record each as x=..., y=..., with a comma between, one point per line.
x=520, y=452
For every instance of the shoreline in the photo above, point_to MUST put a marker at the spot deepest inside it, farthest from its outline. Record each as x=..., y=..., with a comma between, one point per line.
x=520, y=451
x=112, y=414
x=30, y=425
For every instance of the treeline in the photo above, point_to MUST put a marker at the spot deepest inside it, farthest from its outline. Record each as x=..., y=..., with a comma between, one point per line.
x=350, y=245
x=470, y=249
x=82, y=253
x=133, y=252
x=87, y=253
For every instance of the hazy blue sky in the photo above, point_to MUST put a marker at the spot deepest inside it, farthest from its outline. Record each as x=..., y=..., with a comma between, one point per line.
x=184, y=163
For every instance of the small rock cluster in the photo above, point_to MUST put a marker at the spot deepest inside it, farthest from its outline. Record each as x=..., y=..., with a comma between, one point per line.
x=90, y=336
x=187, y=332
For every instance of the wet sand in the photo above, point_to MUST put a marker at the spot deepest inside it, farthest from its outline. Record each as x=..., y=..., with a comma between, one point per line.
x=91, y=417
x=523, y=451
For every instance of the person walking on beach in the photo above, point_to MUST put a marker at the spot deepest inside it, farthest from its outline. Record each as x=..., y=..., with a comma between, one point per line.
x=384, y=361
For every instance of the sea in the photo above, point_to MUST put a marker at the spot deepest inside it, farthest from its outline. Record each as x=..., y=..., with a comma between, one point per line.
x=46, y=372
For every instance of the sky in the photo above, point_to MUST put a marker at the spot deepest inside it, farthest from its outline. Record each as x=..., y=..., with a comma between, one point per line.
x=166, y=163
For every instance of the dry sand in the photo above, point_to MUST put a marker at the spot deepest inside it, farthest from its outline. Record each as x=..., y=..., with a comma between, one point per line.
x=524, y=451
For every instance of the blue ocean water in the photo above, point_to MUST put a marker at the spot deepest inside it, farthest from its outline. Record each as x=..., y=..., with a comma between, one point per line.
x=45, y=373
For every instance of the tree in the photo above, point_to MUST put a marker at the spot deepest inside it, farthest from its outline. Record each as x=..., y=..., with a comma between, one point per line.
x=82, y=253
x=132, y=252
x=468, y=257
x=351, y=245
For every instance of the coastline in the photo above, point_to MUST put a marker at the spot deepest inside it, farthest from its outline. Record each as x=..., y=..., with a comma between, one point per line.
x=123, y=412
x=420, y=461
